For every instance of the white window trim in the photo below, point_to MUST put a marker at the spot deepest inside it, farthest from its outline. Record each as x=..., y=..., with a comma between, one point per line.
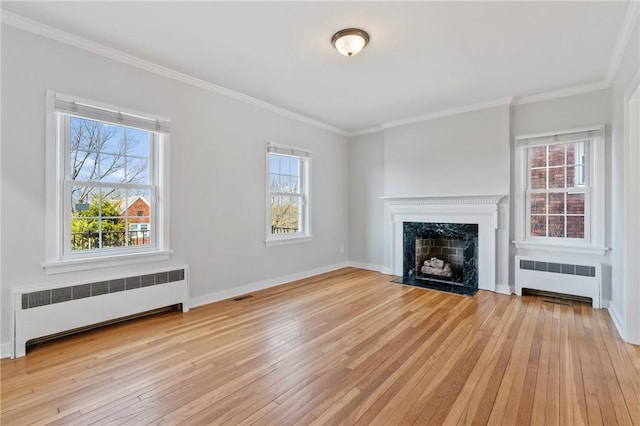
x=298, y=237
x=594, y=242
x=55, y=259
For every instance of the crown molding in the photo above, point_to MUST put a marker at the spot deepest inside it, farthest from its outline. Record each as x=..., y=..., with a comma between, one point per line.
x=38, y=28
x=367, y=131
x=624, y=36
x=561, y=93
x=448, y=112
x=52, y=33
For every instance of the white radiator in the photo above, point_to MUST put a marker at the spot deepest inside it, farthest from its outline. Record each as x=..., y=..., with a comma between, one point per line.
x=578, y=279
x=43, y=311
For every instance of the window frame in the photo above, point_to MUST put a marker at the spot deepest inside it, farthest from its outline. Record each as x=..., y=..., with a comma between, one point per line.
x=58, y=256
x=304, y=156
x=594, y=191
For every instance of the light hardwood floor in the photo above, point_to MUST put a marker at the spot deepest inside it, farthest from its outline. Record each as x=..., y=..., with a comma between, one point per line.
x=347, y=347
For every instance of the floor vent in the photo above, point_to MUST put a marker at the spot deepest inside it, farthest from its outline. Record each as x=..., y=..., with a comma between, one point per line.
x=552, y=297
x=556, y=302
x=239, y=298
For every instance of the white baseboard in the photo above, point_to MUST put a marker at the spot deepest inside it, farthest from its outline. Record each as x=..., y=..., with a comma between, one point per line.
x=368, y=266
x=617, y=319
x=261, y=285
x=5, y=350
x=504, y=289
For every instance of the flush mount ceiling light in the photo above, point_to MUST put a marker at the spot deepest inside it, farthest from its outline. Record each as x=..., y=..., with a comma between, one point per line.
x=350, y=41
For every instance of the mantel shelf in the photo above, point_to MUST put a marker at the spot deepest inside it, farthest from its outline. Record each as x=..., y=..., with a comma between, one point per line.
x=446, y=199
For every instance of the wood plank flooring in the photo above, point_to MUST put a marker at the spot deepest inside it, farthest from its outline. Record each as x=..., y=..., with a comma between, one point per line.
x=347, y=347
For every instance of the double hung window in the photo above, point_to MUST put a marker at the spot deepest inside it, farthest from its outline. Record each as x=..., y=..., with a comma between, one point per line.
x=109, y=182
x=560, y=180
x=288, y=171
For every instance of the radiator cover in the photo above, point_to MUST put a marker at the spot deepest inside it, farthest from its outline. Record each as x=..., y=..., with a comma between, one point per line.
x=42, y=311
x=578, y=279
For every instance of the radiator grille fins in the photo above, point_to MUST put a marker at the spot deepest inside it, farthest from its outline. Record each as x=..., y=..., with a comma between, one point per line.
x=558, y=268
x=65, y=294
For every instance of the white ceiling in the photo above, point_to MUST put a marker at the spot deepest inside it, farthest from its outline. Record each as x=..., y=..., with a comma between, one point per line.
x=423, y=57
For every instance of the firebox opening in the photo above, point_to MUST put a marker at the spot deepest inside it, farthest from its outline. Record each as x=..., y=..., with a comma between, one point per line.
x=450, y=251
x=440, y=259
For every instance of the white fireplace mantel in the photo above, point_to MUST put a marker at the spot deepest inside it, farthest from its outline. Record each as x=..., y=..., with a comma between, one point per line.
x=478, y=209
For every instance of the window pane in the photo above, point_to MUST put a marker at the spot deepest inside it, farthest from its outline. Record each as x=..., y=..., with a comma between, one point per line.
x=556, y=226
x=571, y=153
x=137, y=170
x=285, y=214
x=113, y=224
x=294, y=166
x=84, y=201
x=538, y=178
x=575, y=176
x=84, y=165
x=142, y=235
x=108, y=153
x=137, y=212
x=556, y=203
x=109, y=138
x=84, y=134
x=85, y=205
x=538, y=203
x=575, y=226
x=538, y=226
x=575, y=204
x=113, y=202
x=556, y=177
x=111, y=168
x=84, y=234
x=273, y=164
x=113, y=232
x=556, y=155
x=538, y=156
x=138, y=142
x=575, y=153
x=97, y=219
x=284, y=174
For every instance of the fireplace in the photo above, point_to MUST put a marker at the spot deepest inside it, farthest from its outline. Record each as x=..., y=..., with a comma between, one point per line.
x=486, y=213
x=441, y=256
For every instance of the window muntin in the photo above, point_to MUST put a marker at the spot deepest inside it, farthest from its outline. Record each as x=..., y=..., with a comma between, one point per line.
x=108, y=168
x=557, y=190
x=563, y=210
x=287, y=193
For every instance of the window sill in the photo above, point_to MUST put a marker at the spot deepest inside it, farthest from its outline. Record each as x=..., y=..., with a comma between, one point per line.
x=62, y=266
x=290, y=240
x=562, y=248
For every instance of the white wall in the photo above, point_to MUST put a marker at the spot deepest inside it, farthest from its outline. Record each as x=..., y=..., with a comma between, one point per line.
x=628, y=69
x=566, y=113
x=217, y=171
x=463, y=154
x=366, y=209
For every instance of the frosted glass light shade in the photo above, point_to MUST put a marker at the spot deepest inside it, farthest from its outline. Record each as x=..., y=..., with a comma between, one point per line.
x=350, y=42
